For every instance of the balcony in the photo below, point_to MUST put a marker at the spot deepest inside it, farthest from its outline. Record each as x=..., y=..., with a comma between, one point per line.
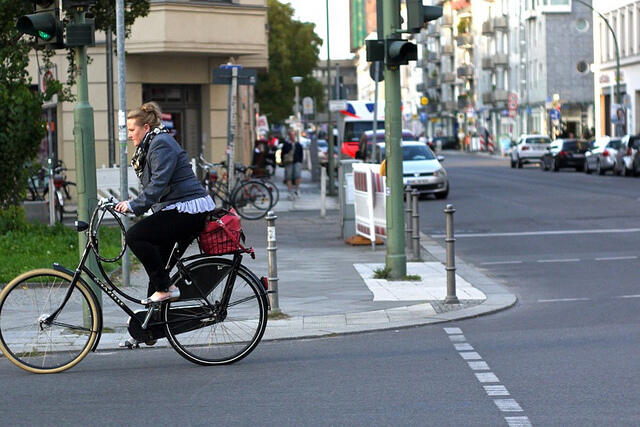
x=207, y=29
x=446, y=21
x=501, y=23
x=422, y=63
x=500, y=96
x=487, y=98
x=487, y=63
x=465, y=71
x=433, y=57
x=446, y=50
x=465, y=41
x=433, y=83
x=450, y=105
x=487, y=28
x=449, y=78
x=501, y=59
x=421, y=87
x=433, y=30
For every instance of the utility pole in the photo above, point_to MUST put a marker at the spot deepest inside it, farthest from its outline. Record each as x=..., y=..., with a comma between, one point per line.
x=84, y=141
x=396, y=51
x=330, y=138
x=122, y=127
x=396, y=259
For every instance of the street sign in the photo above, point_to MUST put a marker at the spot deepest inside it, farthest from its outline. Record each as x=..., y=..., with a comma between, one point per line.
x=222, y=75
x=337, y=104
x=554, y=114
x=424, y=100
x=46, y=75
x=307, y=105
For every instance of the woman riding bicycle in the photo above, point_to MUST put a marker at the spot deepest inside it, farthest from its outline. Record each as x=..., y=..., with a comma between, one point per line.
x=179, y=203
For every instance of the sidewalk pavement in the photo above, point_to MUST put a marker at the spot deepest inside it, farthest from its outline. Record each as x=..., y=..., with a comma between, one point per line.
x=327, y=286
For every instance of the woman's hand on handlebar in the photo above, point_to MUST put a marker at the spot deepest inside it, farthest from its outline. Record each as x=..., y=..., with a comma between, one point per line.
x=123, y=207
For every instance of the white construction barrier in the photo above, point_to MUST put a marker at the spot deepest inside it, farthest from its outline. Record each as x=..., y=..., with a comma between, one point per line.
x=370, y=201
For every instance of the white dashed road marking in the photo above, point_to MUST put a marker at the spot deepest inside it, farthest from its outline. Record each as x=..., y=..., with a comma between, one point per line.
x=475, y=362
x=560, y=260
x=616, y=258
x=564, y=299
x=501, y=262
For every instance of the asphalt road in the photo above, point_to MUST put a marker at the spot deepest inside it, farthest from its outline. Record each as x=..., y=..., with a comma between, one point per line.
x=567, y=354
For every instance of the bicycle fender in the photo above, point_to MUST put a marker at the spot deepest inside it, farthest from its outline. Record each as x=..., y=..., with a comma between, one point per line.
x=64, y=269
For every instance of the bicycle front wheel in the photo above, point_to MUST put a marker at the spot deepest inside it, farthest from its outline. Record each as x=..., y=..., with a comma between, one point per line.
x=252, y=200
x=221, y=335
x=42, y=347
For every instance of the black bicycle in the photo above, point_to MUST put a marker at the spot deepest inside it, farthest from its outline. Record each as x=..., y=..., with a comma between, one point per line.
x=50, y=319
x=252, y=199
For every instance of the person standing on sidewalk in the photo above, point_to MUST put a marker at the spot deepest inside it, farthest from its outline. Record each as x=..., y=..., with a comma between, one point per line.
x=292, y=150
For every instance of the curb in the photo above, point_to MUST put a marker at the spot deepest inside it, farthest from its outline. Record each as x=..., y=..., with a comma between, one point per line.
x=421, y=314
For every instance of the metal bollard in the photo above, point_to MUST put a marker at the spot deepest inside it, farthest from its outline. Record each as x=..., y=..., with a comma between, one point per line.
x=407, y=216
x=272, y=261
x=451, y=297
x=323, y=192
x=415, y=225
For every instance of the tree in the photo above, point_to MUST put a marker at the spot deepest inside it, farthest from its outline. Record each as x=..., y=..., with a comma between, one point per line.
x=21, y=125
x=293, y=51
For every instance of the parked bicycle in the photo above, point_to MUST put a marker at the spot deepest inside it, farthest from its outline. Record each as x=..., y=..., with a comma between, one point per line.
x=38, y=189
x=50, y=319
x=251, y=199
x=247, y=173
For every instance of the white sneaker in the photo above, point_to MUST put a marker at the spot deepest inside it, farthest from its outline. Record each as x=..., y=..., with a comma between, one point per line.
x=291, y=197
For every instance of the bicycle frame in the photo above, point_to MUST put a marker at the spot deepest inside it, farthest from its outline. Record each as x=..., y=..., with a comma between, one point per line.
x=110, y=289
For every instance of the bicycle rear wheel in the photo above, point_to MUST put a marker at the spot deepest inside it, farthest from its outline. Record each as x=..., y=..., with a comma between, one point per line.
x=273, y=189
x=252, y=200
x=35, y=346
x=217, y=337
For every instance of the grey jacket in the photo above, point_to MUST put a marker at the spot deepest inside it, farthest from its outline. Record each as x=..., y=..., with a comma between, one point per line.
x=166, y=178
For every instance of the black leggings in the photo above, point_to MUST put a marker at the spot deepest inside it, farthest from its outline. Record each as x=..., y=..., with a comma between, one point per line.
x=153, y=238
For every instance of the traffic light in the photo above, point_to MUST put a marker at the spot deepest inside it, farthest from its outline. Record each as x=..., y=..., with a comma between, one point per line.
x=418, y=15
x=399, y=52
x=44, y=24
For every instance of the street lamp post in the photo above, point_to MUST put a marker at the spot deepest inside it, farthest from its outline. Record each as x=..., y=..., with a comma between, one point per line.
x=615, y=43
x=296, y=81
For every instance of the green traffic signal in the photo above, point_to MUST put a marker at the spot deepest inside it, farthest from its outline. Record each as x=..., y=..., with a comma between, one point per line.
x=44, y=24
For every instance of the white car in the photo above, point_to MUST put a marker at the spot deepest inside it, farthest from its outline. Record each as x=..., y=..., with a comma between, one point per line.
x=421, y=169
x=529, y=149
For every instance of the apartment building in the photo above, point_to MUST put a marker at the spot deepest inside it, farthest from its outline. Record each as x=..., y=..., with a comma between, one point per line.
x=170, y=58
x=620, y=42
x=555, y=42
x=498, y=68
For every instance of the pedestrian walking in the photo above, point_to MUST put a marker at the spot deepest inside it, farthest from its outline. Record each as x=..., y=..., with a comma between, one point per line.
x=292, y=155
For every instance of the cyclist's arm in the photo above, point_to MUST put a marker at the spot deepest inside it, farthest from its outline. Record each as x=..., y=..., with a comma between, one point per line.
x=162, y=159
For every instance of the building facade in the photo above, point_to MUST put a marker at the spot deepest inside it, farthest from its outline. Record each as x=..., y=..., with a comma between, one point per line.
x=624, y=18
x=170, y=58
x=495, y=69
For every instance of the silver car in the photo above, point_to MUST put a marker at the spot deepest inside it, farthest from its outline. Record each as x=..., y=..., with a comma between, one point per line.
x=601, y=156
x=421, y=169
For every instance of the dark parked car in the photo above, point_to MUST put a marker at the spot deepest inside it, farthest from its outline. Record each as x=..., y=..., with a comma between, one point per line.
x=564, y=153
x=445, y=142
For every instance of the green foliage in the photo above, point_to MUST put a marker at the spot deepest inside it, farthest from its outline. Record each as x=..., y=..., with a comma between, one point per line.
x=293, y=51
x=21, y=127
x=25, y=246
x=382, y=273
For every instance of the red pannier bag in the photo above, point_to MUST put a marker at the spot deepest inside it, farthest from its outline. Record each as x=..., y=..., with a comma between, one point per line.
x=221, y=234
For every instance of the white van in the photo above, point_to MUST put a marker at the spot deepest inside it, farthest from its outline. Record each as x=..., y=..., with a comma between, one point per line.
x=354, y=120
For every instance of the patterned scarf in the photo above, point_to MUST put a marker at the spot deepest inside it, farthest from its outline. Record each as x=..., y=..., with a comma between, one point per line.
x=139, y=157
